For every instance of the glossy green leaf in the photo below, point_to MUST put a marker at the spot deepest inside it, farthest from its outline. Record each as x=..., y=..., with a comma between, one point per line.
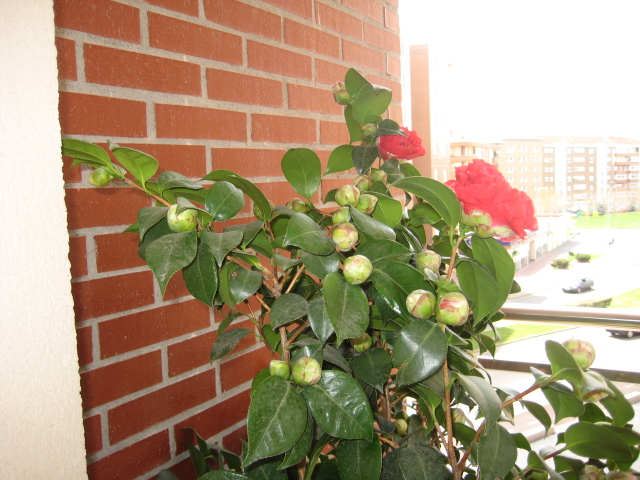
x=438, y=195
x=85, y=152
x=629, y=436
x=564, y=403
x=148, y=217
x=300, y=449
x=320, y=265
x=249, y=231
x=418, y=351
x=563, y=365
x=224, y=281
x=388, y=210
x=244, y=283
x=371, y=227
x=390, y=127
x=336, y=358
x=483, y=393
x=223, y=475
x=340, y=159
x=286, y=263
x=355, y=134
x=360, y=459
x=497, y=453
x=495, y=258
x=479, y=286
x=356, y=84
x=276, y=421
x=287, y=308
x=319, y=319
x=409, y=170
x=371, y=104
x=379, y=251
x=168, y=180
x=201, y=276
x=139, y=164
x=539, y=412
x=347, y=307
x=617, y=405
x=372, y=367
x=224, y=201
x=249, y=189
x=395, y=281
x=267, y=469
x=416, y=462
x=535, y=461
x=220, y=244
x=303, y=232
x=227, y=341
x=340, y=406
x=228, y=321
x=169, y=254
x=301, y=167
x=595, y=441
x=363, y=157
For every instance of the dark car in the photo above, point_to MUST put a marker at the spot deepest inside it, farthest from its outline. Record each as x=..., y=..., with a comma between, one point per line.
x=582, y=284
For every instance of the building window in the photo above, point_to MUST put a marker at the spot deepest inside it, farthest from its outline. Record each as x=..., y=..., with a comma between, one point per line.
x=548, y=149
x=548, y=169
x=524, y=169
x=579, y=159
x=578, y=150
x=509, y=149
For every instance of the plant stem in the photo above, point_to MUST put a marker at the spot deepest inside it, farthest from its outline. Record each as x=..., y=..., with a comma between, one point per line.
x=295, y=334
x=451, y=453
x=454, y=253
x=132, y=184
x=295, y=279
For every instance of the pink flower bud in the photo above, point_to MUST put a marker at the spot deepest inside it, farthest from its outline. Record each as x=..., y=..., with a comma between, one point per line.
x=343, y=214
x=257, y=212
x=184, y=221
x=357, y=269
x=618, y=475
x=583, y=352
x=367, y=203
x=361, y=343
x=362, y=183
x=591, y=472
x=347, y=195
x=340, y=94
x=99, y=177
x=369, y=130
x=593, y=389
x=401, y=426
x=298, y=205
x=280, y=368
x=453, y=309
x=306, y=371
x=421, y=303
x=428, y=260
x=378, y=175
x=345, y=236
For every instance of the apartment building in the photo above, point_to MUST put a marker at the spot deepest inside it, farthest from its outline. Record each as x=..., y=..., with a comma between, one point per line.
x=462, y=153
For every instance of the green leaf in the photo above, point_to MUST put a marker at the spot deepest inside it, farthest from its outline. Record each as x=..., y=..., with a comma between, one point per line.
x=319, y=319
x=227, y=341
x=148, y=217
x=228, y=321
x=276, y=421
x=249, y=189
x=224, y=287
x=535, y=461
x=287, y=308
x=168, y=180
x=418, y=351
x=388, y=210
x=347, y=307
x=301, y=167
x=268, y=469
x=167, y=475
x=356, y=84
x=479, y=286
x=563, y=365
x=438, y=195
x=224, y=201
x=169, y=254
x=564, y=403
x=495, y=258
x=618, y=406
x=539, y=412
x=334, y=356
x=303, y=232
x=201, y=276
x=371, y=104
x=497, y=453
x=340, y=159
x=300, y=449
x=220, y=244
x=87, y=153
x=340, y=406
x=355, y=134
x=249, y=231
x=395, y=281
x=360, y=459
x=483, y=393
x=363, y=157
x=320, y=265
x=409, y=170
x=372, y=367
x=371, y=227
x=286, y=263
x=139, y=164
x=379, y=251
x=223, y=475
x=244, y=283
x=595, y=441
x=417, y=462
x=389, y=127
x=629, y=436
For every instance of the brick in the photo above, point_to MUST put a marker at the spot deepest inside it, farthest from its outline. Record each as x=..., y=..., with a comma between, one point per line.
x=393, y=66
x=141, y=413
x=183, y=37
x=391, y=20
x=99, y=17
x=92, y=434
x=78, y=256
x=240, y=88
x=233, y=441
x=364, y=56
x=395, y=112
x=280, y=192
x=302, y=8
x=176, y=288
x=243, y=368
x=104, y=296
x=280, y=129
x=105, y=384
x=82, y=114
x=395, y=87
x=177, y=121
x=93, y=207
x=182, y=469
x=329, y=73
x=278, y=60
x=212, y=420
x=312, y=100
x=338, y=21
x=190, y=7
x=117, y=251
x=110, y=66
x=85, y=345
x=243, y=17
x=381, y=38
x=189, y=160
x=71, y=174
x=137, y=330
x=333, y=133
x=395, y=3
x=248, y=162
x=67, y=69
x=369, y=8
x=311, y=39
x=134, y=460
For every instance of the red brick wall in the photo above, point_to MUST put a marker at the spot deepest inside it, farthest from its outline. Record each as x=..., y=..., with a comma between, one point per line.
x=201, y=85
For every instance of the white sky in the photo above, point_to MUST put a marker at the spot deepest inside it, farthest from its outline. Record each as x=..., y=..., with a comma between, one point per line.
x=545, y=67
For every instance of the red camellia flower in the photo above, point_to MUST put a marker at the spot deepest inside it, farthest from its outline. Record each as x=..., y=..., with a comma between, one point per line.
x=482, y=189
x=397, y=146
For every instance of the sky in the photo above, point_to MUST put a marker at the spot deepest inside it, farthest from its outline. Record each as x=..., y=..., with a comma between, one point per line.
x=522, y=68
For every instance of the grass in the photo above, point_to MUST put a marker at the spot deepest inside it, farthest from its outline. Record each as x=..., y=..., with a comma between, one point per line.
x=618, y=220
x=523, y=330
x=627, y=300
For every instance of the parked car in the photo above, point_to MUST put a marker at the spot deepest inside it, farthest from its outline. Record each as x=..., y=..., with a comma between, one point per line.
x=623, y=333
x=582, y=284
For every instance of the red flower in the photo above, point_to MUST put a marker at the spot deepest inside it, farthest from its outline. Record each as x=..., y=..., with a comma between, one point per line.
x=397, y=146
x=480, y=187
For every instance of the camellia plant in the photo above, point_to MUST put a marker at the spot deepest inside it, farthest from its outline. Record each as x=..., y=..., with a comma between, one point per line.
x=375, y=306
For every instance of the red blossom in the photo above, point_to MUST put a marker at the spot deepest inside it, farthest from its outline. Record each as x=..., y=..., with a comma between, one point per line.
x=397, y=146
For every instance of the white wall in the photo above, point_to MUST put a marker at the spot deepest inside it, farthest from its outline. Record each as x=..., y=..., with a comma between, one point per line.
x=40, y=411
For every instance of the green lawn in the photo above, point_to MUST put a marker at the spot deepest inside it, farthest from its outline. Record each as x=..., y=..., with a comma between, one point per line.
x=627, y=300
x=524, y=330
x=618, y=220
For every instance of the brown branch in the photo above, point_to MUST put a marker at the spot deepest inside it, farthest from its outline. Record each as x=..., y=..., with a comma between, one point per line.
x=388, y=442
x=454, y=252
x=295, y=334
x=295, y=279
x=132, y=184
x=451, y=452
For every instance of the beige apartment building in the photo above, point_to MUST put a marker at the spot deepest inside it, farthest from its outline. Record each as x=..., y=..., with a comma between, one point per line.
x=463, y=153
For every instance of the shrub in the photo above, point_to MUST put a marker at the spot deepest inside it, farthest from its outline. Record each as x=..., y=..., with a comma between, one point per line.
x=561, y=263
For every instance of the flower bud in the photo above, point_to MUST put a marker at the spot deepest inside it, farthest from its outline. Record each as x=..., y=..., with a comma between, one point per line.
x=369, y=130
x=591, y=472
x=280, y=369
x=428, y=260
x=347, y=195
x=618, y=475
x=458, y=416
x=378, y=175
x=476, y=218
x=306, y=371
x=593, y=389
x=345, y=236
x=421, y=303
x=401, y=426
x=583, y=352
x=184, y=221
x=298, y=205
x=453, y=309
x=362, y=343
x=340, y=94
x=357, y=269
x=99, y=177
x=343, y=214
x=257, y=211
x=484, y=231
x=367, y=203
x=362, y=183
